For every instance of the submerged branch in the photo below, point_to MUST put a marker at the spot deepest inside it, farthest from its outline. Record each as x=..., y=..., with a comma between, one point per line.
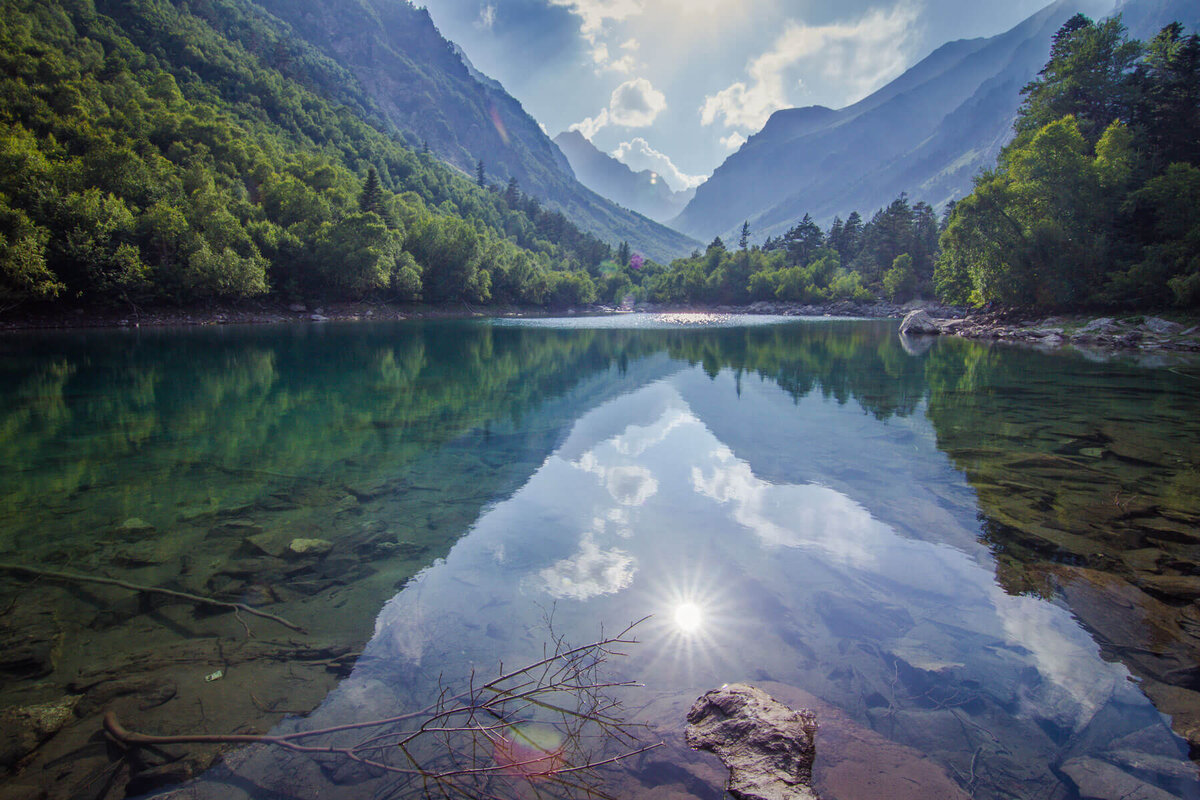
x=71, y=577
x=462, y=756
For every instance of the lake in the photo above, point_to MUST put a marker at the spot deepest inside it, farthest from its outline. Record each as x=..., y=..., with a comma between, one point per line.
x=978, y=564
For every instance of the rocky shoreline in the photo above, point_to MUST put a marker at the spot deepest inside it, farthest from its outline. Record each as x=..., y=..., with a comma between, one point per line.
x=1107, y=333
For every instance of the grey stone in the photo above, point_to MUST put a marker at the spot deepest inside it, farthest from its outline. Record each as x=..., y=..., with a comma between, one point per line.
x=1101, y=325
x=23, y=729
x=768, y=747
x=299, y=308
x=30, y=637
x=919, y=321
x=1161, y=326
x=136, y=525
x=309, y=547
x=1099, y=780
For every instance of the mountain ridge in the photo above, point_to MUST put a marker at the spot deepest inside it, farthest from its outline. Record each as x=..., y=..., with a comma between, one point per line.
x=424, y=87
x=928, y=132
x=642, y=191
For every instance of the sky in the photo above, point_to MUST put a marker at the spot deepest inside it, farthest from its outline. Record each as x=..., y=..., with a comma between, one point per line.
x=677, y=85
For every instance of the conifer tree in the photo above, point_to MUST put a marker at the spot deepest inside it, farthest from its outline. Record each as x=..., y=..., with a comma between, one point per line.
x=371, y=198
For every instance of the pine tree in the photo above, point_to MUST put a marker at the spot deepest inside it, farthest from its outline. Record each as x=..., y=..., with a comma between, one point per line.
x=371, y=198
x=480, y=178
x=744, y=239
x=512, y=195
x=623, y=254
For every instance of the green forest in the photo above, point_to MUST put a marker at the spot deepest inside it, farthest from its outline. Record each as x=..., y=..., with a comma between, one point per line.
x=145, y=157
x=1094, y=204
x=148, y=154
x=1096, y=201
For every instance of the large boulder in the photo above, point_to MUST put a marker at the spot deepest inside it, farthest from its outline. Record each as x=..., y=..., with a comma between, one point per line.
x=919, y=321
x=768, y=747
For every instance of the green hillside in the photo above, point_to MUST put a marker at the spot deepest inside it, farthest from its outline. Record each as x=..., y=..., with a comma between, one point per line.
x=148, y=156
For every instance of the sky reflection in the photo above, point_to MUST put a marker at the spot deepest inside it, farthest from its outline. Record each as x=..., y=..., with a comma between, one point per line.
x=780, y=561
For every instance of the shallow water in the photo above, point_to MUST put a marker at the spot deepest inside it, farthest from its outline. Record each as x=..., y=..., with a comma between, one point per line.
x=975, y=562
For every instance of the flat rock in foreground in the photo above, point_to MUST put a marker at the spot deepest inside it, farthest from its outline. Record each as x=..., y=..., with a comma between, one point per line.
x=768, y=747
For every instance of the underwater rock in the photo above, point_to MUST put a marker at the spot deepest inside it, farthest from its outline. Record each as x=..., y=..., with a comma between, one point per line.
x=1173, y=587
x=134, y=525
x=150, y=692
x=142, y=554
x=29, y=640
x=1099, y=780
x=768, y=747
x=274, y=543
x=23, y=729
x=309, y=547
x=233, y=527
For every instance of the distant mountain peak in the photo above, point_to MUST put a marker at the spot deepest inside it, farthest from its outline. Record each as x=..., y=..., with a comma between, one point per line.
x=643, y=191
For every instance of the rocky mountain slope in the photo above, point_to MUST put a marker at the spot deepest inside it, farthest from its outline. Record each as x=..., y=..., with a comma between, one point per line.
x=425, y=87
x=927, y=133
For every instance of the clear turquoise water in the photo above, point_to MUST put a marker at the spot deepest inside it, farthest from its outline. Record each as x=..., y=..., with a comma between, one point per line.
x=804, y=505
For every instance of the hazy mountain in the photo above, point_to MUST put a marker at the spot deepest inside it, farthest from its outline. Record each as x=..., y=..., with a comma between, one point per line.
x=644, y=192
x=420, y=83
x=928, y=132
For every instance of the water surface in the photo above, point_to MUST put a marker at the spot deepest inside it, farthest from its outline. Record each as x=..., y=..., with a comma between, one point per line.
x=977, y=563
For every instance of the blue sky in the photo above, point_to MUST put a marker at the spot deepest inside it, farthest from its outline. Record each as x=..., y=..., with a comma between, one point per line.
x=677, y=85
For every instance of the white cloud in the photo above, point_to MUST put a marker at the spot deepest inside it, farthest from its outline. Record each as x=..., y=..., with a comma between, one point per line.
x=733, y=141
x=624, y=64
x=593, y=15
x=634, y=104
x=589, y=572
x=638, y=155
x=590, y=126
x=862, y=55
x=487, y=17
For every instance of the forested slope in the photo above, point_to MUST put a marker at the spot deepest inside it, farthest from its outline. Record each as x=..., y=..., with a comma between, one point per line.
x=146, y=155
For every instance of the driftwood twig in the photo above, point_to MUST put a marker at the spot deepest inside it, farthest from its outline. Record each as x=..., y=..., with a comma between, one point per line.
x=475, y=742
x=71, y=577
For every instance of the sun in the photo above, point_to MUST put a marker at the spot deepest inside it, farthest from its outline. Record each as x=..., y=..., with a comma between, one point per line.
x=688, y=617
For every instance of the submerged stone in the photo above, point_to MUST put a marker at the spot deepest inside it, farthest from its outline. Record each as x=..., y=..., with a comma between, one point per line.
x=136, y=525
x=1099, y=780
x=309, y=547
x=23, y=729
x=768, y=747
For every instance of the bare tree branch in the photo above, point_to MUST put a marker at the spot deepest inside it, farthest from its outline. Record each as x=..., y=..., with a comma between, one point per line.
x=546, y=726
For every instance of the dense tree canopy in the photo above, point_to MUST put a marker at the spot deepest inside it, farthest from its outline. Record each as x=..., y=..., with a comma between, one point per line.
x=145, y=155
x=1094, y=202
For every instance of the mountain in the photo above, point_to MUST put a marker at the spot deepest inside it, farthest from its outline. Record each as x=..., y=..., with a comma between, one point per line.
x=927, y=133
x=644, y=192
x=401, y=67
